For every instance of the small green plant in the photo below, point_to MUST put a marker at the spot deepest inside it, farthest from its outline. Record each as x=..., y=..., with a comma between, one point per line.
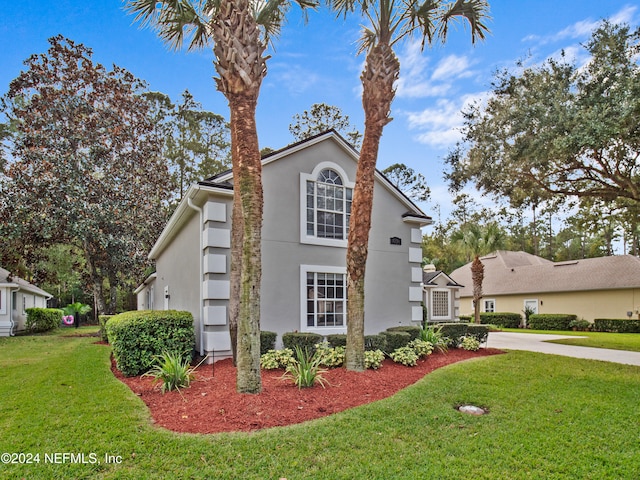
x=275, y=359
x=581, y=325
x=470, y=343
x=405, y=355
x=173, y=371
x=435, y=337
x=422, y=348
x=528, y=311
x=373, y=359
x=306, y=370
x=330, y=357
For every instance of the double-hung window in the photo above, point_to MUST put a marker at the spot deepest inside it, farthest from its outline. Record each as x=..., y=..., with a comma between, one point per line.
x=327, y=207
x=489, y=305
x=324, y=302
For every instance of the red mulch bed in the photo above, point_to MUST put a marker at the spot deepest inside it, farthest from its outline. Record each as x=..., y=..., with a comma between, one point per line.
x=212, y=405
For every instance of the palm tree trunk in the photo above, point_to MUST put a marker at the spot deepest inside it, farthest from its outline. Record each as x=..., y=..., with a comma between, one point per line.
x=241, y=67
x=380, y=73
x=248, y=189
x=477, y=277
x=237, y=236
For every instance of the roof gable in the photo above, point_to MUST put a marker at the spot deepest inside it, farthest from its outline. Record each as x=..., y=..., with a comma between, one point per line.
x=430, y=279
x=414, y=213
x=11, y=281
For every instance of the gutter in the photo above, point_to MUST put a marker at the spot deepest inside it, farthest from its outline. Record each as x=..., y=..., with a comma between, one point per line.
x=195, y=190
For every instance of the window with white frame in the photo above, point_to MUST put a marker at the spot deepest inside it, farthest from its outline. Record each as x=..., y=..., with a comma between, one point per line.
x=489, y=305
x=440, y=304
x=326, y=205
x=324, y=305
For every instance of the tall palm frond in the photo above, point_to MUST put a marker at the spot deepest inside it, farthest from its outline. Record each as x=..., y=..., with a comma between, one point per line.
x=390, y=21
x=174, y=21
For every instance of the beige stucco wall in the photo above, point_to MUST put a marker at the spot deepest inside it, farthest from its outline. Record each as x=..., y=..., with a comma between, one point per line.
x=587, y=305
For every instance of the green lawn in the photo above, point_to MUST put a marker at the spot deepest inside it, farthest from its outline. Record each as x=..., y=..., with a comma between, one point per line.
x=615, y=341
x=550, y=418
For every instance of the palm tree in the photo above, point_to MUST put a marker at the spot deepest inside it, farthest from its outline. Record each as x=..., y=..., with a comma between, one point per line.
x=240, y=31
x=478, y=241
x=390, y=22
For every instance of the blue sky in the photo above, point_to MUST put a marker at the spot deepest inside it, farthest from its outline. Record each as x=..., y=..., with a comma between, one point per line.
x=316, y=62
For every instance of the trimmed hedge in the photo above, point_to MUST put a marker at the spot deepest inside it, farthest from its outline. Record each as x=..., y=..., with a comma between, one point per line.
x=267, y=341
x=102, y=320
x=395, y=339
x=43, y=319
x=551, y=321
x=501, y=319
x=337, y=340
x=479, y=332
x=412, y=330
x=454, y=332
x=137, y=337
x=375, y=342
x=304, y=340
x=616, y=325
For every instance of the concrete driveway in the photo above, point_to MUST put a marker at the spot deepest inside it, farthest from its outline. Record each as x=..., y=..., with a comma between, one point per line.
x=534, y=342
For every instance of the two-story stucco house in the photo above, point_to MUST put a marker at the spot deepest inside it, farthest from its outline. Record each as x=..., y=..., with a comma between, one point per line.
x=307, y=196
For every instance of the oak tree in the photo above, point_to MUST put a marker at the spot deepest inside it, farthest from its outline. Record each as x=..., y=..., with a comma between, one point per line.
x=84, y=165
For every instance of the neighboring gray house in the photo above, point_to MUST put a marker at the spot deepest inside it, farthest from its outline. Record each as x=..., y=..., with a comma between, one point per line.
x=307, y=197
x=16, y=295
x=441, y=295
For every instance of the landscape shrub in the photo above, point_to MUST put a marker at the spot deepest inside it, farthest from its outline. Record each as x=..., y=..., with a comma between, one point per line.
x=43, y=319
x=173, y=371
x=137, y=337
x=479, y=332
x=501, y=319
x=422, y=348
x=412, y=330
x=337, y=340
x=373, y=359
x=616, y=325
x=274, y=359
x=434, y=336
x=551, y=321
x=304, y=340
x=581, y=325
x=102, y=321
x=454, y=332
x=407, y=356
x=330, y=357
x=395, y=340
x=470, y=343
x=466, y=318
x=267, y=341
x=306, y=370
x=374, y=342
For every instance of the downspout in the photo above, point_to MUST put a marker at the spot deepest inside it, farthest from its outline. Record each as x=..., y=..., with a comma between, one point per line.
x=201, y=321
x=10, y=302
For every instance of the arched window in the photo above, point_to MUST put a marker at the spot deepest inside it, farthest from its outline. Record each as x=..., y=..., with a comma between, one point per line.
x=328, y=206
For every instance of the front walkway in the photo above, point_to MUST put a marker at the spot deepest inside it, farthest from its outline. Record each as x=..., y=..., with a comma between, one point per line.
x=534, y=342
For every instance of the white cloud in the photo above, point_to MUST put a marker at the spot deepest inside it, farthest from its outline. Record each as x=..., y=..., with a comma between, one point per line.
x=626, y=15
x=415, y=80
x=452, y=67
x=293, y=78
x=583, y=28
x=440, y=126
